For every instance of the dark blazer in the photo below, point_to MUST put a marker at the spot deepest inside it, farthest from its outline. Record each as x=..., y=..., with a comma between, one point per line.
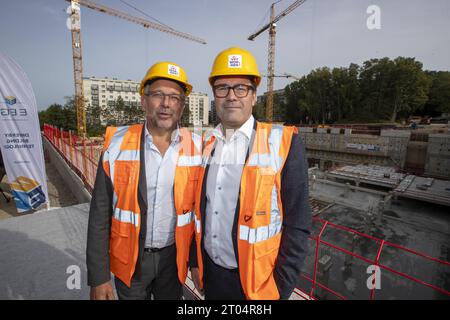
x=296, y=219
x=99, y=225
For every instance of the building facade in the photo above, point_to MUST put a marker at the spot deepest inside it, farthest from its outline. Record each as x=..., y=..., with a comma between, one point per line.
x=213, y=119
x=104, y=92
x=198, y=105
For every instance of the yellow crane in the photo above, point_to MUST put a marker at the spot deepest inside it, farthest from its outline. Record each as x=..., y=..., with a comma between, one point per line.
x=271, y=56
x=74, y=13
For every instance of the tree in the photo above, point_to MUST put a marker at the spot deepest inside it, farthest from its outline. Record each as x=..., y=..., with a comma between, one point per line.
x=376, y=94
x=345, y=93
x=63, y=117
x=318, y=100
x=296, y=111
x=392, y=89
x=259, y=110
x=439, y=94
x=410, y=87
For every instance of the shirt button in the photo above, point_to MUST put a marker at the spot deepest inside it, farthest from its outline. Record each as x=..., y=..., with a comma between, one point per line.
x=214, y=236
x=220, y=188
x=215, y=258
x=216, y=212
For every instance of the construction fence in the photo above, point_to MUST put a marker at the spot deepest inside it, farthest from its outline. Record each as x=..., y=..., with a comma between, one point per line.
x=81, y=154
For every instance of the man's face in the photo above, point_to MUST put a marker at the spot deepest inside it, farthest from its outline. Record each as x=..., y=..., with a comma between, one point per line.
x=234, y=109
x=163, y=104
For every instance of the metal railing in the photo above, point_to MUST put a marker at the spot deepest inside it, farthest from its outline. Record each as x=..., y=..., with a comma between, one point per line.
x=81, y=155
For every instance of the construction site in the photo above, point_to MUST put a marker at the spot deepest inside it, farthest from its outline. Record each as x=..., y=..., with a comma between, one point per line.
x=379, y=195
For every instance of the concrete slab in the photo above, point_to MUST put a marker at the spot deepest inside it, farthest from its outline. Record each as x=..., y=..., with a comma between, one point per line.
x=425, y=189
x=42, y=252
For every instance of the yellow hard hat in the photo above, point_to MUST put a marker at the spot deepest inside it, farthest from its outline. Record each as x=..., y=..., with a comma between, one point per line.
x=166, y=70
x=233, y=62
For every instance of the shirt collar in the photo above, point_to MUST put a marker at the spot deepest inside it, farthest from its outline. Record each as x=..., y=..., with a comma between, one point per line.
x=246, y=129
x=176, y=137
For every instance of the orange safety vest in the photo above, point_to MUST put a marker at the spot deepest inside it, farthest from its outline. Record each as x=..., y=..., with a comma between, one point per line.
x=121, y=162
x=260, y=213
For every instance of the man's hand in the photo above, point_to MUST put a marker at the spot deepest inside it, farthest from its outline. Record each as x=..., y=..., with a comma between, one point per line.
x=196, y=278
x=103, y=292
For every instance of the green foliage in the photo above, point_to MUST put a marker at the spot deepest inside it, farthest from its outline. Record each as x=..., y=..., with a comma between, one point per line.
x=379, y=90
x=63, y=117
x=439, y=96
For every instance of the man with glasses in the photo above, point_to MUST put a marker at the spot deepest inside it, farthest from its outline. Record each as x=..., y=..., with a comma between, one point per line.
x=252, y=217
x=141, y=214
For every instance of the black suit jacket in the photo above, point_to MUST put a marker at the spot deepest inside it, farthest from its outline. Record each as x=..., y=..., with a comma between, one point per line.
x=99, y=225
x=296, y=219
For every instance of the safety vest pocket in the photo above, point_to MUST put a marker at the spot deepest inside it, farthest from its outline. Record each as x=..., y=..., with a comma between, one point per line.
x=263, y=202
x=265, y=254
x=120, y=241
x=125, y=172
x=191, y=188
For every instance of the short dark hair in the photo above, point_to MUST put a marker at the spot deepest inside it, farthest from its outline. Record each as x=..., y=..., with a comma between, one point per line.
x=182, y=86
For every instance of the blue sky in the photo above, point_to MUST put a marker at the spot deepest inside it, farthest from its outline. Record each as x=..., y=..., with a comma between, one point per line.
x=318, y=33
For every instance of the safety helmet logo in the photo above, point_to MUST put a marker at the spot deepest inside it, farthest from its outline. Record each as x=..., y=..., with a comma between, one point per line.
x=235, y=61
x=173, y=70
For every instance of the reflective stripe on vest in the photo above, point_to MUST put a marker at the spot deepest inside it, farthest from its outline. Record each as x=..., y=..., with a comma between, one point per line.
x=189, y=161
x=198, y=224
x=184, y=219
x=126, y=216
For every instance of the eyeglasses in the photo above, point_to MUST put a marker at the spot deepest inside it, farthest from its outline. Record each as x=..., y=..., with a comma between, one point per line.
x=240, y=90
x=159, y=96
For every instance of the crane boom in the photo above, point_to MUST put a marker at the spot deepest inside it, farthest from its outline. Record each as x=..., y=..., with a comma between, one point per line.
x=142, y=22
x=77, y=48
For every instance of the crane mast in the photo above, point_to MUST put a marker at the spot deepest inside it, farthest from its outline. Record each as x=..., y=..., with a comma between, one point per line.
x=271, y=50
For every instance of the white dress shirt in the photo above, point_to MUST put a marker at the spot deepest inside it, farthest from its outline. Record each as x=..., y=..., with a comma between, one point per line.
x=160, y=174
x=222, y=191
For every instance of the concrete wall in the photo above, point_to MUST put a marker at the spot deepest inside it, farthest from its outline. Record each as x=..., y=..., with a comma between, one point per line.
x=75, y=184
x=438, y=156
x=390, y=148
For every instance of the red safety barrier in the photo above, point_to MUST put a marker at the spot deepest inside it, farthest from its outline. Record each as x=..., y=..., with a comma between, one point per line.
x=81, y=154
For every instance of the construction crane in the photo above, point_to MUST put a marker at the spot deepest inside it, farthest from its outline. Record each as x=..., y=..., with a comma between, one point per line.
x=74, y=13
x=271, y=56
